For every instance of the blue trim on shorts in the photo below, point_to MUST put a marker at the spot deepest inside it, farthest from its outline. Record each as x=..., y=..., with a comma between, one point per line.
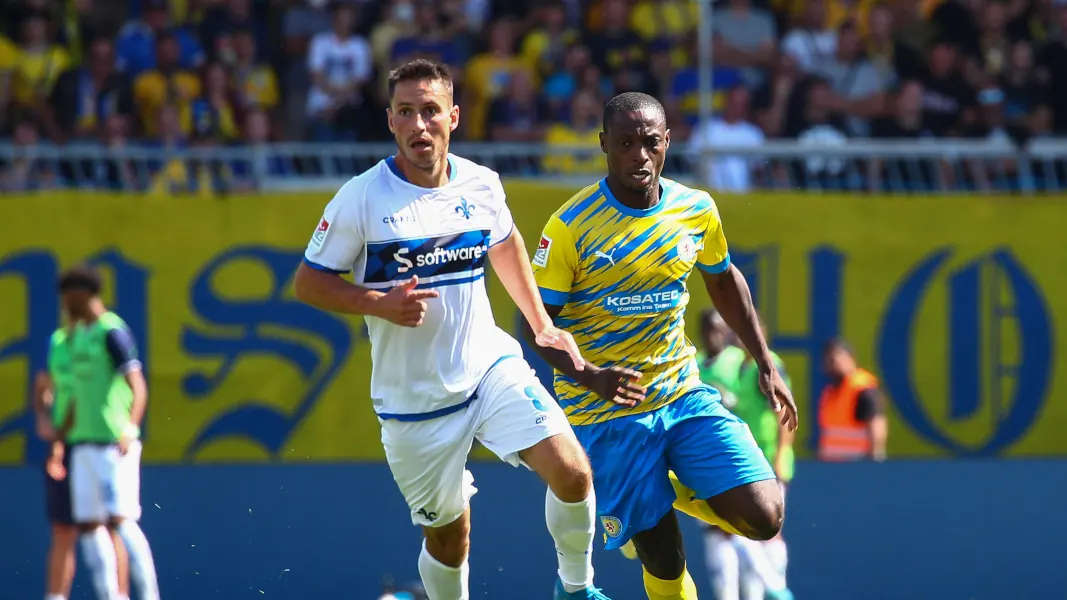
x=444, y=412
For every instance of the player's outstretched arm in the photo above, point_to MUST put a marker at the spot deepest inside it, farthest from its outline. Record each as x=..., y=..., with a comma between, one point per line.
x=403, y=305
x=512, y=266
x=730, y=294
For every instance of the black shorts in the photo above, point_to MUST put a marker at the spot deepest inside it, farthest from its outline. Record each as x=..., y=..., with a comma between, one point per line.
x=57, y=495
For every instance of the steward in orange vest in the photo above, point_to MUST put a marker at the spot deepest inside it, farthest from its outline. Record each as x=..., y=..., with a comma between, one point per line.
x=852, y=424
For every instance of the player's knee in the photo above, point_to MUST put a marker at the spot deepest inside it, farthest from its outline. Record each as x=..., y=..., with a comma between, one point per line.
x=765, y=521
x=64, y=535
x=450, y=544
x=571, y=481
x=570, y=477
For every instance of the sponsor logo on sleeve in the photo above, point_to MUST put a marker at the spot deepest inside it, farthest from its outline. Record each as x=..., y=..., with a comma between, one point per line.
x=320, y=233
x=541, y=255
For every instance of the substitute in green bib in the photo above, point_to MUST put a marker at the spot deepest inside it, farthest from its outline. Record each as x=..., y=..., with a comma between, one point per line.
x=739, y=567
x=720, y=360
x=102, y=430
x=52, y=394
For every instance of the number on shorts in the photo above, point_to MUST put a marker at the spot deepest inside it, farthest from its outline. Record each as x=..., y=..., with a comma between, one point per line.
x=535, y=394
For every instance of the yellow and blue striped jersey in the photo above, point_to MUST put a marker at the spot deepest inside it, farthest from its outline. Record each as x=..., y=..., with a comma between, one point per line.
x=620, y=275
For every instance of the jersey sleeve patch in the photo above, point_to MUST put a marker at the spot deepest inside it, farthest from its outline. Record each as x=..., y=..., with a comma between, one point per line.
x=319, y=236
x=544, y=246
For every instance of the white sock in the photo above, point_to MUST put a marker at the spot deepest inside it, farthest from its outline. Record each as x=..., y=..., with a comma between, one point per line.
x=103, y=564
x=777, y=554
x=723, y=564
x=142, y=567
x=443, y=582
x=55, y=597
x=751, y=586
x=754, y=558
x=573, y=527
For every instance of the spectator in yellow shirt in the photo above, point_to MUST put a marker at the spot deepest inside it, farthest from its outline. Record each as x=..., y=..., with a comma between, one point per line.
x=664, y=19
x=488, y=75
x=166, y=85
x=215, y=115
x=39, y=65
x=256, y=85
x=544, y=48
x=583, y=130
x=9, y=55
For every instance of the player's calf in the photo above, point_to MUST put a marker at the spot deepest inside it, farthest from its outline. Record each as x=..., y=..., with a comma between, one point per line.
x=450, y=544
x=142, y=566
x=443, y=561
x=570, y=508
x=61, y=560
x=103, y=557
x=662, y=557
x=660, y=548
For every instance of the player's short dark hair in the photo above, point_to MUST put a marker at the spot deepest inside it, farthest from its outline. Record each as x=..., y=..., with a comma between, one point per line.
x=631, y=102
x=835, y=344
x=709, y=318
x=81, y=277
x=420, y=69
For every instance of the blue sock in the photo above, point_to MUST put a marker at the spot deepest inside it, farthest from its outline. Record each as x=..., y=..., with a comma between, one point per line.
x=142, y=567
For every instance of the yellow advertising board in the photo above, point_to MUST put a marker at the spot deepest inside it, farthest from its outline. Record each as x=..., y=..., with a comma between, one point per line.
x=957, y=304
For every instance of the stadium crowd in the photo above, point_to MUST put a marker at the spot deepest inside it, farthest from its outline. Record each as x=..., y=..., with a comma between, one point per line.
x=186, y=73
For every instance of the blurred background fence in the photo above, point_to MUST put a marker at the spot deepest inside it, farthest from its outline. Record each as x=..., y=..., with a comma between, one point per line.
x=864, y=166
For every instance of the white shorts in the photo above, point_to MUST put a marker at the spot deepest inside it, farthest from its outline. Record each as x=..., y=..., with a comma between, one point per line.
x=428, y=459
x=104, y=483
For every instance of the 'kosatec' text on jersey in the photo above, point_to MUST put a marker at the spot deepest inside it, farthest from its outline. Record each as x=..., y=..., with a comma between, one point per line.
x=620, y=275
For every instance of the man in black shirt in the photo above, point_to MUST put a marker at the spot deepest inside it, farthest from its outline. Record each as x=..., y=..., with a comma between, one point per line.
x=905, y=123
x=947, y=99
x=618, y=51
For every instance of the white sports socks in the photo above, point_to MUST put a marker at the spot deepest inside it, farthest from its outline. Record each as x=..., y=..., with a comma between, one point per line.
x=573, y=527
x=100, y=557
x=443, y=582
x=142, y=566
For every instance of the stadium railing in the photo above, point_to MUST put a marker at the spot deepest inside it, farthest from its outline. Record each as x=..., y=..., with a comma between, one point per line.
x=934, y=166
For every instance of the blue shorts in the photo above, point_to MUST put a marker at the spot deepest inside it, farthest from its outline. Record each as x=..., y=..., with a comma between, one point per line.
x=57, y=495
x=708, y=448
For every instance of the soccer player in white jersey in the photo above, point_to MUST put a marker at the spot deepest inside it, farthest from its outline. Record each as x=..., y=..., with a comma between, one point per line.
x=415, y=231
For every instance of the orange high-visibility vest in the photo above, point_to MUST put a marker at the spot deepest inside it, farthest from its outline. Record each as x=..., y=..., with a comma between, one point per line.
x=841, y=436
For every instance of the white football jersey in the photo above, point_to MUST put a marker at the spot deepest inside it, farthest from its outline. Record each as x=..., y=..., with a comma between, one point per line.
x=384, y=230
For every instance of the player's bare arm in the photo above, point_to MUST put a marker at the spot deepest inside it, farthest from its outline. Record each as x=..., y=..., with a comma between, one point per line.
x=730, y=294
x=512, y=265
x=614, y=384
x=42, y=405
x=135, y=379
x=403, y=305
x=54, y=467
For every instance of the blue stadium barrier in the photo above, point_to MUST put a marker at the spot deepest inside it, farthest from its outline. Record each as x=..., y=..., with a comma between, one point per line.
x=944, y=530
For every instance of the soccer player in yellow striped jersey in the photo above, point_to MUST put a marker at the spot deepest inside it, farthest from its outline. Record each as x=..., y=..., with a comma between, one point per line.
x=612, y=267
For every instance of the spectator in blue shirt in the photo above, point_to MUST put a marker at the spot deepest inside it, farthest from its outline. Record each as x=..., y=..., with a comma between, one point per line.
x=135, y=45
